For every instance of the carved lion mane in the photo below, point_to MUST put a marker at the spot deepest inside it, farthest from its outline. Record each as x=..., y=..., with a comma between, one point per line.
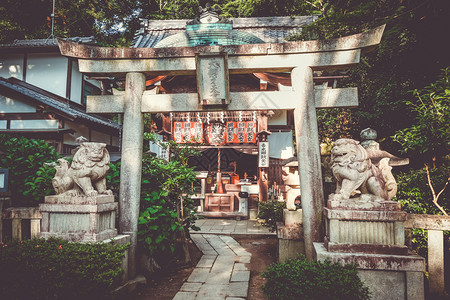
x=354, y=171
x=88, y=170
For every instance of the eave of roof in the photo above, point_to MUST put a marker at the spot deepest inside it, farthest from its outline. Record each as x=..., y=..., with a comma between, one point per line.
x=42, y=45
x=54, y=103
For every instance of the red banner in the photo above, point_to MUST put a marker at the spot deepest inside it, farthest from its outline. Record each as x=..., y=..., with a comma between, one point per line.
x=241, y=132
x=188, y=132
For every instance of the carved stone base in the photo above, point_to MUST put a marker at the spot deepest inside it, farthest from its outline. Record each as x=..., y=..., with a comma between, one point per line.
x=365, y=226
x=79, y=219
x=387, y=276
x=290, y=235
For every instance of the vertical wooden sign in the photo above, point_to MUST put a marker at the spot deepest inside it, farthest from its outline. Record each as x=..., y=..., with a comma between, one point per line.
x=212, y=79
x=263, y=155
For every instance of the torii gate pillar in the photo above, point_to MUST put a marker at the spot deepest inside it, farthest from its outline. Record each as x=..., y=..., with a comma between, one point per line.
x=308, y=155
x=131, y=163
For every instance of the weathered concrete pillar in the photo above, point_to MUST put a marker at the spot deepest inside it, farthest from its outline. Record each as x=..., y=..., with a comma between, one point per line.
x=17, y=229
x=35, y=228
x=308, y=154
x=436, y=261
x=131, y=163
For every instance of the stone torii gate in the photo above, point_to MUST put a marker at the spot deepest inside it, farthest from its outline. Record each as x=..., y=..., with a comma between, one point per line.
x=299, y=58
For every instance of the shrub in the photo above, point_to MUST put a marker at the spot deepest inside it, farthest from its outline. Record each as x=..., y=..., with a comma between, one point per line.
x=271, y=212
x=29, y=179
x=58, y=269
x=300, y=279
x=160, y=221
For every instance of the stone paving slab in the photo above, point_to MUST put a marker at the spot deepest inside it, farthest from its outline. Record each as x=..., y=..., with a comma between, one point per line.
x=199, y=275
x=206, y=261
x=240, y=276
x=191, y=287
x=221, y=272
x=231, y=226
x=185, y=296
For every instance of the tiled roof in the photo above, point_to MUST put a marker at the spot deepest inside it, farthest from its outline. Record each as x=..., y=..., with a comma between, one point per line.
x=58, y=104
x=46, y=43
x=268, y=29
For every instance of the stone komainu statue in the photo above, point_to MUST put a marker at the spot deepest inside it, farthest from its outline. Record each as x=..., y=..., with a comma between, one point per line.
x=355, y=173
x=88, y=170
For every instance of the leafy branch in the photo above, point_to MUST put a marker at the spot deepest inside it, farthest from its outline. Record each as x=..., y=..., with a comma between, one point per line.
x=436, y=197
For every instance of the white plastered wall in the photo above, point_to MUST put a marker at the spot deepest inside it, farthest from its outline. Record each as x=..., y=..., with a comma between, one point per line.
x=279, y=118
x=48, y=71
x=11, y=65
x=34, y=124
x=10, y=105
x=100, y=137
x=80, y=130
x=76, y=83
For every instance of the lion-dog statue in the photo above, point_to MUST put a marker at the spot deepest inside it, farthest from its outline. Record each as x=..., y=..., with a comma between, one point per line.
x=355, y=173
x=88, y=170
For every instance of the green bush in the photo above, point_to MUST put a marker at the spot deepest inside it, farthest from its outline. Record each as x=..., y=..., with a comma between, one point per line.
x=299, y=279
x=58, y=269
x=113, y=179
x=271, y=212
x=29, y=179
x=160, y=222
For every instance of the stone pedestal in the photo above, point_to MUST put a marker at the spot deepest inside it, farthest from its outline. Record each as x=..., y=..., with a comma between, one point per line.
x=290, y=235
x=365, y=226
x=370, y=234
x=79, y=219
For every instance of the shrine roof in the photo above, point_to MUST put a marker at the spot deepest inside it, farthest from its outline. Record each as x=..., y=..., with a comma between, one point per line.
x=266, y=29
x=44, y=44
x=53, y=103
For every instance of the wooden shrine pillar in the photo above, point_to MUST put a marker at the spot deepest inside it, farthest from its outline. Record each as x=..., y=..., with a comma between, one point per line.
x=308, y=154
x=131, y=163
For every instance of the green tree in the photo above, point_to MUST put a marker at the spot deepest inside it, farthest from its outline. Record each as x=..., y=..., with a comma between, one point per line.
x=410, y=55
x=112, y=22
x=428, y=138
x=166, y=212
x=30, y=178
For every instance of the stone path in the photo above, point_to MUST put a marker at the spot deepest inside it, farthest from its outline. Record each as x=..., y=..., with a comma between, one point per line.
x=221, y=272
x=231, y=226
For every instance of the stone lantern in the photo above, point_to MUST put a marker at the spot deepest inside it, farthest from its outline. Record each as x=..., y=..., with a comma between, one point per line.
x=291, y=179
